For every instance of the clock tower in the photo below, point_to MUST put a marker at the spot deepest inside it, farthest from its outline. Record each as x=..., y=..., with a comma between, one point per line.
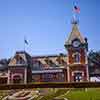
x=77, y=47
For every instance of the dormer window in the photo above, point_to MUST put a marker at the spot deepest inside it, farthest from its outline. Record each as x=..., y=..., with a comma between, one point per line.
x=60, y=61
x=19, y=60
x=47, y=60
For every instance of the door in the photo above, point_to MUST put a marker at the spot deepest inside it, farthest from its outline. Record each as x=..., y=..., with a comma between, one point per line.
x=17, y=79
x=77, y=76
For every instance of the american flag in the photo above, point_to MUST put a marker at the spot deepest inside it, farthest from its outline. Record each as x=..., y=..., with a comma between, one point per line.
x=76, y=9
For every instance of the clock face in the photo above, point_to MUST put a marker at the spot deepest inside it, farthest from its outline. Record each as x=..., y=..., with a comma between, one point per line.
x=76, y=43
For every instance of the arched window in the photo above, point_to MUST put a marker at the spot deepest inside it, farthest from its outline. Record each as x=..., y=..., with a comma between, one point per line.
x=76, y=57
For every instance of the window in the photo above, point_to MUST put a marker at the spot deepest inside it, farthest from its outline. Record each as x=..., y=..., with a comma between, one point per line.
x=78, y=76
x=19, y=60
x=47, y=77
x=60, y=61
x=17, y=79
x=47, y=60
x=76, y=57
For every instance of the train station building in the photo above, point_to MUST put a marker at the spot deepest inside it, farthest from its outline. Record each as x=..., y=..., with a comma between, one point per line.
x=69, y=67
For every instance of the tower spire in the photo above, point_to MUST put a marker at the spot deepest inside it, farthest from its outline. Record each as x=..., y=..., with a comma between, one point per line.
x=75, y=33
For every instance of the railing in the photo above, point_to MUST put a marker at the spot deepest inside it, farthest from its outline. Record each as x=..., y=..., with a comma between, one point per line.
x=50, y=85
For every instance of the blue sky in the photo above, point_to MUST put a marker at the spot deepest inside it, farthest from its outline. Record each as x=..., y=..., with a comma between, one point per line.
x=45, y=24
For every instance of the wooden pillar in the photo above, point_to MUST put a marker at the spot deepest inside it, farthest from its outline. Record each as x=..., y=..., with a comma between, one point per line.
x=25, y=76
x=8, y=81
x=68, y=74
x=87, y=72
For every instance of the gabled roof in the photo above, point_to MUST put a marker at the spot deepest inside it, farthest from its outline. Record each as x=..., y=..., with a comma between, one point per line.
x=75, y=34
x=25, y=57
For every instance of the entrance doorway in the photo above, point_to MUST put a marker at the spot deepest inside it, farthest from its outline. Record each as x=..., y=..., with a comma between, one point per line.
x=17, y=79
x=77, y=76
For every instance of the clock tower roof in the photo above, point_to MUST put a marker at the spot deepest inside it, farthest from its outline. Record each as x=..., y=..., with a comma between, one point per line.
x=75, y=34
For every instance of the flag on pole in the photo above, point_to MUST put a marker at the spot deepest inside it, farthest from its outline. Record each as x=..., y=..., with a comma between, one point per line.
x=26, y=42
x=76, y=9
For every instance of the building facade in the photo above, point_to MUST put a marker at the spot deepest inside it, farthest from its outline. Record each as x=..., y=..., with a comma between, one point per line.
x=77, y=63
x=72, y=67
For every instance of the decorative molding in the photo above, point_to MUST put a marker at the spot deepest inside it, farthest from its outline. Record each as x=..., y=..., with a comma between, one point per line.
x=17, y=74
x=78, y=72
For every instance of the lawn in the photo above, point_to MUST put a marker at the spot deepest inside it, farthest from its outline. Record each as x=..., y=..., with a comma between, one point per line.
x=90, y=94
x=70, y=94
x=73, y=94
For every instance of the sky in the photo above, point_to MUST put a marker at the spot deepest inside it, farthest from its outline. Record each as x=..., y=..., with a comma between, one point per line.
x=45, y=24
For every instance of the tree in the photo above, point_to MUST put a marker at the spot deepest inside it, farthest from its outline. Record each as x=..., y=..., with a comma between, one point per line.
x=94, y=62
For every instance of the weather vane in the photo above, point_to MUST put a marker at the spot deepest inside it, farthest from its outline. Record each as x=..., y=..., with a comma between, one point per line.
x=76, y=11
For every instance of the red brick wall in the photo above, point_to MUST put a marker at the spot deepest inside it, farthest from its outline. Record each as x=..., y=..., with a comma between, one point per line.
x=70, y=58
x=71, y=52
x=19, y=70
x=82, y=52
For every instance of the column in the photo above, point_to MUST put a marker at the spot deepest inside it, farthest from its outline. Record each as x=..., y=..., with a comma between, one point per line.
x=8, y=81
x=68, y=74
x=25, y=76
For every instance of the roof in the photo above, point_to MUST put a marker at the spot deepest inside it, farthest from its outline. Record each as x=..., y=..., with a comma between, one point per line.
x=25, y=58
x=75, y=34
x=50, y=61
x=3, y=67
x=51, y=55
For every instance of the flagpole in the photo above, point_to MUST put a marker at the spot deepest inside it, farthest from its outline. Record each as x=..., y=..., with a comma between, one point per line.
x=24, y=43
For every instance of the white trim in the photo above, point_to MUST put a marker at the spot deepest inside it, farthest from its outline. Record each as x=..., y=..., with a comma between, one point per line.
x=77, y=63
x=87, y=72
x=78, y=72
x=68, y=76
x=54, y=68
x=46, y=71
x=72, y=73
x=6, y=74
x=68, y=59
x=86, y=57
x=25, y=76
x=86, y=62
x=75, y=54
x=18, y=65
x=3, y=76
x=15, y=74
x=8, y=77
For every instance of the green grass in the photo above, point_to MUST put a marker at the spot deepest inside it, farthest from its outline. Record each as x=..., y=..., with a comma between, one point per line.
x=70, y=94
x=90, y=94
x=74, y=94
